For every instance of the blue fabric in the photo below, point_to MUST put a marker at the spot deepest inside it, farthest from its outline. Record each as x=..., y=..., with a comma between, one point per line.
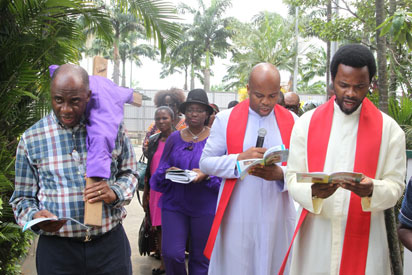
x=110, y=254
x=405, y=214
x=50, y=167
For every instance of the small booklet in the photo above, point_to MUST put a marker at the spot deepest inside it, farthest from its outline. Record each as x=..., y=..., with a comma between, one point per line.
x=181, y=176
x=38, y=220
x=319, y=177
x=273, y=155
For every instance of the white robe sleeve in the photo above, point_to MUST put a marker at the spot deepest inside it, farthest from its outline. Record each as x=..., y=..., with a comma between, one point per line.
x=301, y=192
x=214, y=160
x=389, y=183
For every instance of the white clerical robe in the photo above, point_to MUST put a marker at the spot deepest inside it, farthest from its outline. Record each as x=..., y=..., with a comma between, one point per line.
x=318, y=245
x=257, y=226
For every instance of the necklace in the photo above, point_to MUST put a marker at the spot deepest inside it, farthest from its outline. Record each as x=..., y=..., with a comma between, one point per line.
x=195, y=137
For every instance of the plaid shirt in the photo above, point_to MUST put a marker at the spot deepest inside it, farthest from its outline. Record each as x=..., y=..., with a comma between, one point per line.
x=50, y=175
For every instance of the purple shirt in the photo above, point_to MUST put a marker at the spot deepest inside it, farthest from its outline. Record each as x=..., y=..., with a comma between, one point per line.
x=104, y=113
x=193, y=199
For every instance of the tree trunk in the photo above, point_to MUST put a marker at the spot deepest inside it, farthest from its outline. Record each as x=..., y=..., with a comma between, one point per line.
x=131, y=74
x=381, y=56
x=392, y=68
x=206, y=73
x=124, y=73
x=390, y=218
x=192, y=75
x=393, y=241
x=328, y=57
x=185, y=85
x=116, y=64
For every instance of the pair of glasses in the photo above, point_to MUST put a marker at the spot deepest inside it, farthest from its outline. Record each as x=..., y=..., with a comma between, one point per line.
x=192, y=111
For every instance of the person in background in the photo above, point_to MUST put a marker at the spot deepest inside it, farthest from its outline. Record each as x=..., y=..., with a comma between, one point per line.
x=171, y=98
x=405, y=218
x=187, y=209
x=292, y=102
x=212, y=116
x=50, y=183
x=232, y=104
x=330, y=91
x=281, y=99
x=164, y=117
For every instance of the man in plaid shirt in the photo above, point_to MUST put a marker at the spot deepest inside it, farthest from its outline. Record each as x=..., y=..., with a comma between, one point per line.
x=50, y=182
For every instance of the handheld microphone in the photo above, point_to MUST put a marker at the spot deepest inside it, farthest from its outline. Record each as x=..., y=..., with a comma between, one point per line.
x=261, y=137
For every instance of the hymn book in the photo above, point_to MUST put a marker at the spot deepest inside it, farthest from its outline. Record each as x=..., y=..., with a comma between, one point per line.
x=272, y=155
x=39, y=220
x=319, y=177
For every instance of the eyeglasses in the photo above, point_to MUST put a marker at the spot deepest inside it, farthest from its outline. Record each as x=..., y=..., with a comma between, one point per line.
x=197, y=111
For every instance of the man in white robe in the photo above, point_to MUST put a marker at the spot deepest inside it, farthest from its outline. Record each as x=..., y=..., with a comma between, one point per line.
x=259, y=219
x=319, y=244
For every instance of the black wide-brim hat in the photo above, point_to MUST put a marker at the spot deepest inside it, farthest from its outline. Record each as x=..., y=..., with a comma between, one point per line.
x=198, y=96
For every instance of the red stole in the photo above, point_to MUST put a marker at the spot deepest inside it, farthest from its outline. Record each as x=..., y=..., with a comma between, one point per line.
x=235, y=135
x=356, y=241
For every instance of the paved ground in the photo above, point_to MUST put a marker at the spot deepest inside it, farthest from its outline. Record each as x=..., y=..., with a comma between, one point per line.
x=142, y=265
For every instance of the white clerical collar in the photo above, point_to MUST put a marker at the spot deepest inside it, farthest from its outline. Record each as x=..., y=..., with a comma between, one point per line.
x=338, y=111
x=253, y=113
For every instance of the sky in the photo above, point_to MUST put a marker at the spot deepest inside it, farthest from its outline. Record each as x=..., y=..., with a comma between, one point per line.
x=148, y=75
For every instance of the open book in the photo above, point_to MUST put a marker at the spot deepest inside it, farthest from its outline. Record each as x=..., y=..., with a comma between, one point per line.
x=38, y=220
x=181, y=176
x=319, y=177
x=273, y=155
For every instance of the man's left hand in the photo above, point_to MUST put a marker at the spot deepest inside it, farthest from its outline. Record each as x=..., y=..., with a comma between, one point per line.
x=364, y=188
x=267, y=172
x=99, y=191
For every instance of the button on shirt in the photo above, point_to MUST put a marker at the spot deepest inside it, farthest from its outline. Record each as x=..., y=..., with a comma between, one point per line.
x=50, y=174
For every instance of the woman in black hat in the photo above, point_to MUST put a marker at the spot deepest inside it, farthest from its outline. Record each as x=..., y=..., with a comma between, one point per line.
x=187, y=209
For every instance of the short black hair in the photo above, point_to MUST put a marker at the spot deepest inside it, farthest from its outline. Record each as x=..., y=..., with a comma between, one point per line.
x=353, y=55
x=168, y=109
x=233, y=103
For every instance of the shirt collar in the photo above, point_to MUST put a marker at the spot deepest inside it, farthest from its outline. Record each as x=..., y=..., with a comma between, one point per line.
x=253, y=113
x=338, y=111
x=81, y=123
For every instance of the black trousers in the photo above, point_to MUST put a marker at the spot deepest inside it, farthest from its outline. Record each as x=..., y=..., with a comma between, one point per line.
x=109, y=254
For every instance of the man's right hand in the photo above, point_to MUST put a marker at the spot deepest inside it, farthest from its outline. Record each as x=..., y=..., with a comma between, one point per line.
x=48, y=226
x=252, y=153
x=324, y=190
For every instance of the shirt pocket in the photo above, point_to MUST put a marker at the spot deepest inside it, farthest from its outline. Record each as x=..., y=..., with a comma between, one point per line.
x=60, y=172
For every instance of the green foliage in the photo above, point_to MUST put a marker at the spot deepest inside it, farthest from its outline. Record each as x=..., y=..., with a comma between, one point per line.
x=156, y=16
x=269, y=38
x=401, y=111
x=33, y=35
x=399, y=26
x=318, y=87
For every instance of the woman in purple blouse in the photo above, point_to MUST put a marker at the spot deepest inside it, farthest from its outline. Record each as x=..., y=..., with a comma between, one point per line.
x=187, y=209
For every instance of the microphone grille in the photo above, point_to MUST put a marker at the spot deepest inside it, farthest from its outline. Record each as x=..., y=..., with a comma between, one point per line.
x=262, y=132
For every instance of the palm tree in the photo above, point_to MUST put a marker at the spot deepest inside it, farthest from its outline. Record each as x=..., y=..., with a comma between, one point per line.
x=267, y=39
x=210, y=32
x=185, y=55
x=129, y=49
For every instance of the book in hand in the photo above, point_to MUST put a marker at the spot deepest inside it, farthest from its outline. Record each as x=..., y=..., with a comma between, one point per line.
x=320, y=177
x=272, y=155
x=38, y=220
x=181, y=176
